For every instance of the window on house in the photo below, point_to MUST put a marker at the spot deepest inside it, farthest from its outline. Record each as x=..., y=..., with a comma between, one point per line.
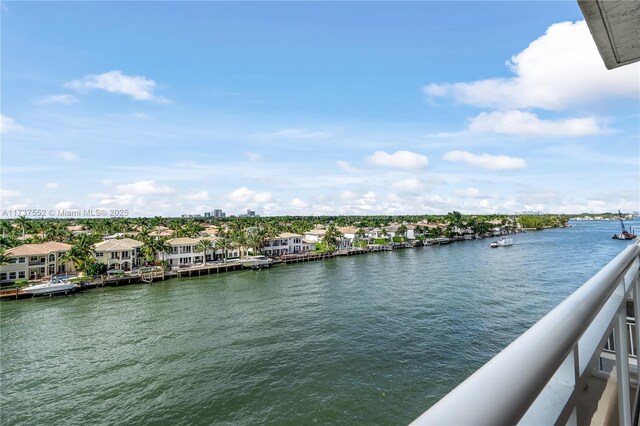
x=3, y=276
x=33, y=258
x=22, y=259
x=12, y=275
x=21, y=274
x=99, y=254
x=52, y=257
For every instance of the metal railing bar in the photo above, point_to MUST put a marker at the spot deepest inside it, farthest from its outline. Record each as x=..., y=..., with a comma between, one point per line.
x=622, y=367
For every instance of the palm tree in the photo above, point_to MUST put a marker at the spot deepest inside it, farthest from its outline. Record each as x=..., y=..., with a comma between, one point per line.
x=359, y=236
x=162, y=246
x=151, y=247
x=224, y=243
x=4, y=260
x=331, y=238
x=204, y=245
x=238, y=240
x=41, y=226
x=402, y=230
x=255, y=239
x=24, y=222
x=6, y=227
x=80, y=253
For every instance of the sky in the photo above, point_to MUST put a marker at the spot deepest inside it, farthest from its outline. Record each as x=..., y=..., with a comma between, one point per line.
x=309, y=108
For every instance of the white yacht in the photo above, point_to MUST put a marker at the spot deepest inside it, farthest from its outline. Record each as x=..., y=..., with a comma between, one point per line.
x=256, y=262
x=55, y=285
x=502, y=242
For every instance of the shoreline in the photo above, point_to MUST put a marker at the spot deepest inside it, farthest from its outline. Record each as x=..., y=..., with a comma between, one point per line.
x=202, y=270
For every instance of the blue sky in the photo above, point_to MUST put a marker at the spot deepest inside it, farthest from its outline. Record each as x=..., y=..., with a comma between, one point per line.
x=166, y=108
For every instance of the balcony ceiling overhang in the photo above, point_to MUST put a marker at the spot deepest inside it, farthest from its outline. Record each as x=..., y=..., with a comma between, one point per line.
x=615, y=27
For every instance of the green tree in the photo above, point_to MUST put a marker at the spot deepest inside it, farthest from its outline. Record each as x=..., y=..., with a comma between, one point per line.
x=331, y=238
x=402, y=230
x=23, y=222
x=80, y=253
x=204, y=246
x=223, y=242
x=4, y=260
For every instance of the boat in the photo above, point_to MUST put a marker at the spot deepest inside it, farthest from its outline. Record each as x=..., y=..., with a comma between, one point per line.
x=624, y=235
x=54, y=285
x=502, y=242
x=256, y=262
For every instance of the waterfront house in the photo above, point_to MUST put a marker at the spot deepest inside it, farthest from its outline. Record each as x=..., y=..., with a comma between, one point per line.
x=308, y=245
x=183, y=252
x=285, y=243
x=34, y=261
x=348, y=236
x=121, y=253
x=315, y=235
x=411, y=232
x=377, y=233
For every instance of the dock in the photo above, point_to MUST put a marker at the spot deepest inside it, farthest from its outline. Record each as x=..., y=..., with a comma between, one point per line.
x=150, y=275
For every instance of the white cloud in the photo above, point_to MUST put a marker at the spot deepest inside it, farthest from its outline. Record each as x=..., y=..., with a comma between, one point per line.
x=246, y=195
x=144, y=187
x=124, y=200
x=52, y=185
x=252, y=156
x=6, y=193
x=297, y=203
x=486, y=161
x=138, y=87
x=369, y=195
x=468, y=193
x=408, y=185
x=64, y=205
x=58, y=99
x=526, y=123
x=299, y=134
x=343, y=165
x=198, y=196
x=400, y=159
x=562, y=68
x=67, y=155
x=8, y=124
x=347, y=195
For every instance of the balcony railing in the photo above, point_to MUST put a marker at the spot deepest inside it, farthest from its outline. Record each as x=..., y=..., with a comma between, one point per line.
x=538, y=378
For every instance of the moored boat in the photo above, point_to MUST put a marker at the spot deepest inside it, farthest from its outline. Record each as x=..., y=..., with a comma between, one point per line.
x=54, y=285
x=624, y=235
x=502, y=242
x=256, y=262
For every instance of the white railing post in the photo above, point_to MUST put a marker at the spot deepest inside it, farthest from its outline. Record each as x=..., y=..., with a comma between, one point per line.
x=636, y=315
x=622, y=366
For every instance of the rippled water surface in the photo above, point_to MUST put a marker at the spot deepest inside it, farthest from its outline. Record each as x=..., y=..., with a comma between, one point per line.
x=372, y=339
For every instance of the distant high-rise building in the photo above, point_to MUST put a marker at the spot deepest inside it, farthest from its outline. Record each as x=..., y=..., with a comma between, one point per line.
x=218, y=213
x=207, y=214
x=251, y=213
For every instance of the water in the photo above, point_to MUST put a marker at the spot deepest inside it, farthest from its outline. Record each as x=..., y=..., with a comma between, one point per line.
x=373, y=339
